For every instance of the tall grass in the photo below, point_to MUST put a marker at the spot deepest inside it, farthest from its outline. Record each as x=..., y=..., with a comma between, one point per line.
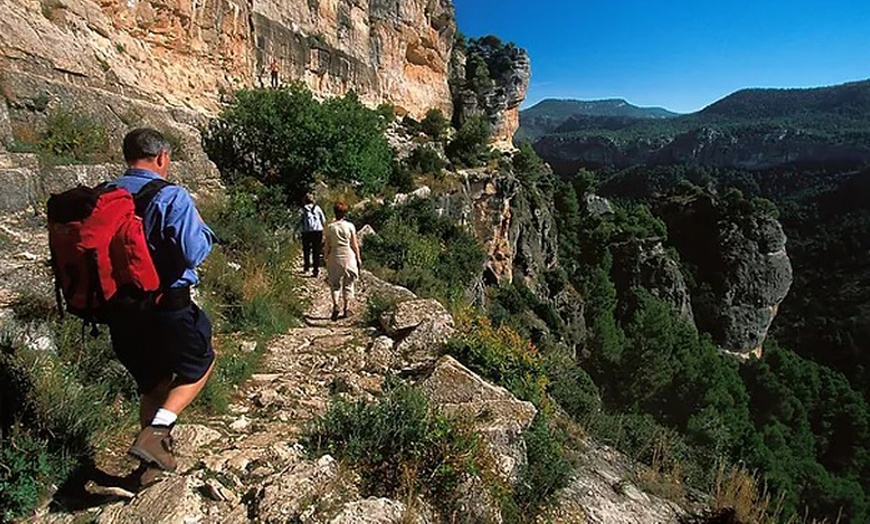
x=62, y=401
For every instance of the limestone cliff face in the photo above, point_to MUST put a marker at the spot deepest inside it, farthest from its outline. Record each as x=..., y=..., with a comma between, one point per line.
x=498, y=100
x=515, y=224
x=742, y=272
x=190, y=52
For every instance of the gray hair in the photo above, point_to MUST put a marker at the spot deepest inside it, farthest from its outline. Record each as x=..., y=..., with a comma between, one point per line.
x=144, y=142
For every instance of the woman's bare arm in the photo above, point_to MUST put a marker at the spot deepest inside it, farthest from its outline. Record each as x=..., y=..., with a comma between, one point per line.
x=354, y=244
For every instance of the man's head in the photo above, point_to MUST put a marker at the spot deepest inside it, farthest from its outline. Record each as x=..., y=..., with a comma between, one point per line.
x=309, y=198
x=146, y=148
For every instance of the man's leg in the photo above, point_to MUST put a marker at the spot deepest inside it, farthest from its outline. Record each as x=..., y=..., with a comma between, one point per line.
x=306, y=250
x=186, y=337
x=181, y=395
x=150, y=402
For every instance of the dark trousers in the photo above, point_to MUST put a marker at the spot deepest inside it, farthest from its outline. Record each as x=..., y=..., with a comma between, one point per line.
x=274, y=79
x=312, y=245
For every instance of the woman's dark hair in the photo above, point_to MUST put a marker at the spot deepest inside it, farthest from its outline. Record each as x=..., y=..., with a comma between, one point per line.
x=340, y=210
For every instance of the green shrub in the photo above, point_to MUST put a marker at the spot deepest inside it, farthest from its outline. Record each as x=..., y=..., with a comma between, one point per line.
x=27, y=469
x=501, y=355
x=284, y=138
x=55, y=411
x=435, y=124
x=399, y=445
x=425, y=160
x=425, y=252
x=375, y=307
x=469, y=147
x=71, y=136
x=546, y=471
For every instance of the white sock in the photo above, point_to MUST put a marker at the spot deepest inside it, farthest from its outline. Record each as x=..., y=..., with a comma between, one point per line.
x=164, y=417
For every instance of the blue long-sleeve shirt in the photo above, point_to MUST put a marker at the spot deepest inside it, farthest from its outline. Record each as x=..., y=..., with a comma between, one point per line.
x=178, y=238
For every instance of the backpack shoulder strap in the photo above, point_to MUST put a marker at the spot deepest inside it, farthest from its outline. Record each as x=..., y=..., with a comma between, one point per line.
x=146, y=195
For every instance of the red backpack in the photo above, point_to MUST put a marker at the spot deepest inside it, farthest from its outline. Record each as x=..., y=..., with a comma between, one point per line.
x=101, y=262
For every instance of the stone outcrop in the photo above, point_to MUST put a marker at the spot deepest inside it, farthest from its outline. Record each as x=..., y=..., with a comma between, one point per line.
x=499, y=102
x=645, y=263
x=190, y=54
x=516, y=225
x=495, y=413
x=742, y=269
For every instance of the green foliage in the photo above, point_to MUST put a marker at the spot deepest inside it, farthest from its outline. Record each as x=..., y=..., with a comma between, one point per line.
x=425, y=252
x=73, y=137
x=27, y=469
x=424, y=160
x=285, y=138
x=435, y=124
x=399, y=445
x=527, y=164
x=375, y=307
x=503, y=356
x=56, y=408
x=469, y=147
x=662, y=381
x=547, y=469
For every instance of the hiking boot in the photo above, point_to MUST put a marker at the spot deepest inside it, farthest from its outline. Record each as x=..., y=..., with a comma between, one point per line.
x=334, y=316
x=154, y=446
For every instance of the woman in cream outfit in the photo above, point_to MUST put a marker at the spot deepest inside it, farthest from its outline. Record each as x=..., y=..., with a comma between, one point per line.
x=342, y=258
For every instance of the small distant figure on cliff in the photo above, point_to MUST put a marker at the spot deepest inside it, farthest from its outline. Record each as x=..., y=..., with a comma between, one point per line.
x=273, y=70
x=343, y=260
x=313, y=221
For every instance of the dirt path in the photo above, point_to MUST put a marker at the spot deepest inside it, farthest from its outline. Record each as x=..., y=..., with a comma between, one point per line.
x=247, y=465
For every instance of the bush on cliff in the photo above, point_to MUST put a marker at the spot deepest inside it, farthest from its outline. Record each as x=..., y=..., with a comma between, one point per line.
x=286, y=138
x=418, y=249
x=469, y=148
x=399, y=445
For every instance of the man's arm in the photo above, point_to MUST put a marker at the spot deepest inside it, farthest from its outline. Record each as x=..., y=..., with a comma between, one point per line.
x=193, y=237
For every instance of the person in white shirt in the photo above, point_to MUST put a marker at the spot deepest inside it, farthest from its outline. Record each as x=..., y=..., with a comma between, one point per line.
x=313, y=221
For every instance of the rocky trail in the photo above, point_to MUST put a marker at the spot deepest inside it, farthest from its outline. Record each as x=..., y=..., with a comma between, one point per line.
x=247, y=465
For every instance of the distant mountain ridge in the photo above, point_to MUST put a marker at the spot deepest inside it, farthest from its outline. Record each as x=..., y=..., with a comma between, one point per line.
x=548, y=115
x=750, y=129
x=846, y=99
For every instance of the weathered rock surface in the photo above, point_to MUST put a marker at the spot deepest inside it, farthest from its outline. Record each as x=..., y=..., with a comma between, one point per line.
x=604, y=491
x=646, y=264
x=191, y=54
x=172, y=500
x=494, y=411
x=408, y=315
x=499, y=102
x=516, y=225
x=742, y=264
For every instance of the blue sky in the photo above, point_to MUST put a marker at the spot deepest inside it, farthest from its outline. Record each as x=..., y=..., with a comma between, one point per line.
x=679, y=54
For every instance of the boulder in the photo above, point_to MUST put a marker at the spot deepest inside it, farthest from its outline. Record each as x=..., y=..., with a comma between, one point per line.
x=286, y=495
x=372, y=511
x=173, y=500
x=404, y=198
x=406, y=316
x=645, y=263
x=497, y=415
x=423, y=345
x=374, y=286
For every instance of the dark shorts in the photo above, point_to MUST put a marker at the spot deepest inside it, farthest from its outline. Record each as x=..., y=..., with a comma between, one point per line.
x=164, y=345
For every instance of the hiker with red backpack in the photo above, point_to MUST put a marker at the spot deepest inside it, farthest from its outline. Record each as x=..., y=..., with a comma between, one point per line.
x=125, y=254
